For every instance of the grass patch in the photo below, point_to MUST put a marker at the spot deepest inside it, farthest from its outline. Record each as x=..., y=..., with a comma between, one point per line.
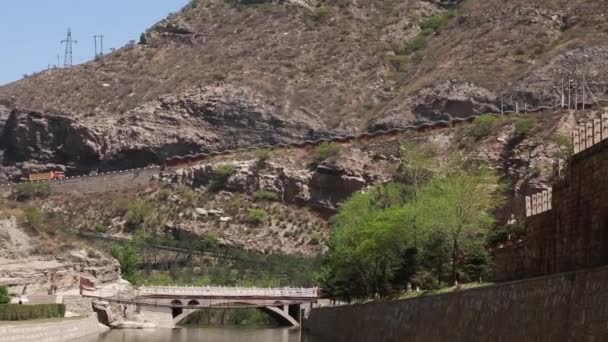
x=566, y=146
x=262, y=154
x=326, y=150
x=137, y=213
x=320, y=13
x=220, y=176
x=16, y=312
x=101, y=228
x=265, y=195
x=462, y=287
x=28, y=191
x=523, y=126
x=256, y=216
x=483, y=126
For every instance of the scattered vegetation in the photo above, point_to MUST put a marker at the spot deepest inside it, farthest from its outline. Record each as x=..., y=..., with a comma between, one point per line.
x=137, y=213
x=523, y=126
x=220, y=176
x=256, y=216
x=29, y=191
x=262, y=154
x=326, y=150
x=429, y=26
x=238, y=267
x=483, y=126
x=265, y=195
x=101, y=228
x=320, y=13
x=33, y=219
x=16, y=312
x=566, y=146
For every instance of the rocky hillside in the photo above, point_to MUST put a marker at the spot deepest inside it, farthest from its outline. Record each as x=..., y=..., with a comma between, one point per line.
x=234, y=73
x=35, y=264
x=279, y=201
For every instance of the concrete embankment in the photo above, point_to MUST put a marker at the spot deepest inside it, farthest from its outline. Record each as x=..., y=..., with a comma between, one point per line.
x=63, y=331
x=563, y=307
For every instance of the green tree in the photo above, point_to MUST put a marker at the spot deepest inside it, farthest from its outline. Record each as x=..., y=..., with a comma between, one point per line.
x=4, y=296
x=417, y=164
x=459, y=205
x=128, y=258
x=367, y=242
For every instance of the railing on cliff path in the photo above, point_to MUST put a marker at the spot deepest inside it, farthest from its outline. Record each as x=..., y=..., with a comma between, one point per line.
x=584, y=137
x=177, y=161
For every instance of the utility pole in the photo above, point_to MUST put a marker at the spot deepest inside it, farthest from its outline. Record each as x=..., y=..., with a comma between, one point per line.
x=67, y=60
x=100, y=37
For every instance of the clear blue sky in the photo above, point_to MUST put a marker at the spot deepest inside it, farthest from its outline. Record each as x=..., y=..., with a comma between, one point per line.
x=31, y=30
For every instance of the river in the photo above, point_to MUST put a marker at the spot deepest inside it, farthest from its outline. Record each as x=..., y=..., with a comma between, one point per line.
x=201, y=334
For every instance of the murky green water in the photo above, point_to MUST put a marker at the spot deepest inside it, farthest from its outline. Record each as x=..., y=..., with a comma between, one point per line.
x=201, y=334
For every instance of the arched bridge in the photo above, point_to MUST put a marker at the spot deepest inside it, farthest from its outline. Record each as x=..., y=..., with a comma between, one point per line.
x=284, y=304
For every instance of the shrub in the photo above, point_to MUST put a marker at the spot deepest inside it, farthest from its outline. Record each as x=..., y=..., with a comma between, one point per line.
x=483, y=126
x=4, y=296
x=400, y=63
x=34, y=219
x=319, y=13
x=316, y=239
x=256, y=216
x=565, y=144
x=220, y=176
x=265, y=195
x=523, y=126
x=16, y=312
x=188, y=194
x=137, y=213
x=326, y=150
x=437, y=22
x=28, y=191
x=128, y=258
x=262, y=154
x=101, y=228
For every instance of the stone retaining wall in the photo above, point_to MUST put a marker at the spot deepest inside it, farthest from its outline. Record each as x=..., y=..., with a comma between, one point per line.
x=111, y=181
x=69, y=330
x=572, y=235
x=562, y=307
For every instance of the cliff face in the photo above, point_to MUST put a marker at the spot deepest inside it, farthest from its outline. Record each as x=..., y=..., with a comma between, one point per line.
x=209, y=118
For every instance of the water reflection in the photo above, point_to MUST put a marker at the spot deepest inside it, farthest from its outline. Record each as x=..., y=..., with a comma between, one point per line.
x=201, y=334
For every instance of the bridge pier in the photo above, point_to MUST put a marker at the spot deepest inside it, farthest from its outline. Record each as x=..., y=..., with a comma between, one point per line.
x=162, y=317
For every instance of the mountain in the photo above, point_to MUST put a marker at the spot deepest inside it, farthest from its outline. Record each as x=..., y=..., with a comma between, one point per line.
x=228, y=73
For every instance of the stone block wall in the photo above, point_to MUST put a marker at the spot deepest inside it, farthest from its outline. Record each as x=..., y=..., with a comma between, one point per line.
x=563, y=307
x=111, y=181
x=572, y=235
x=68, y=330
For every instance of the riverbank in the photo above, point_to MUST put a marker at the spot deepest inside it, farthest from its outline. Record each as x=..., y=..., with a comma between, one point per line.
x=64, y=330
x=563, y=307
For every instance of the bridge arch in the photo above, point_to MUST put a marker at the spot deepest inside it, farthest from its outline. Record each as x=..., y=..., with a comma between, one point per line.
x=279, y=313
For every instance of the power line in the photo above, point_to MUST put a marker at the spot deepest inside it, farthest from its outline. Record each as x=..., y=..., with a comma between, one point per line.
x=67, y=60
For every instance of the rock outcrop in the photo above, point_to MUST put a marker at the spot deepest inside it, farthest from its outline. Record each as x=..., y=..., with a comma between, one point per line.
x=210, y=118
x=25, y=269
